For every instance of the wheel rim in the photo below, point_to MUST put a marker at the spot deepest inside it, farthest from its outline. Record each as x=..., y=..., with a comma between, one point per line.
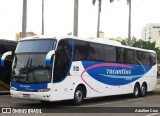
x=143, y=90
x=78, y=96
x=136, y=91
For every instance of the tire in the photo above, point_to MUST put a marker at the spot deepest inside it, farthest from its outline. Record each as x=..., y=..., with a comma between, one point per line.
x=78, y=96
x=143, y=90
x=136, y=91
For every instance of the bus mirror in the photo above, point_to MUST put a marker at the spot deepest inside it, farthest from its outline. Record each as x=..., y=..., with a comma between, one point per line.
x=4, y=56
x=48, y=58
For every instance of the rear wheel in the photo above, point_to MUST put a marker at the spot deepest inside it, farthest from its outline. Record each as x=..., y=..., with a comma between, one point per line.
x=78, y=96
x=136, y=91
x=143, y=90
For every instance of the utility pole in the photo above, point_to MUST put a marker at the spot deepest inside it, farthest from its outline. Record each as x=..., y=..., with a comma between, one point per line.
x=75, y=23
x=42, y=17
x=99, y=12
x=24, y=19
x=129, y=25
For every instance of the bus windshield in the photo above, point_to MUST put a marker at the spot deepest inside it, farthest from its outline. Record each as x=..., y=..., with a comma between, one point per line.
x=29, y=61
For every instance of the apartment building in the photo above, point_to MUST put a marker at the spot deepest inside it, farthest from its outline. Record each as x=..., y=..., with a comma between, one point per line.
x=151, y=33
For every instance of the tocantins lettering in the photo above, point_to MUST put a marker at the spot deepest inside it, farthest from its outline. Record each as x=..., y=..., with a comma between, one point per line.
x=116, y=72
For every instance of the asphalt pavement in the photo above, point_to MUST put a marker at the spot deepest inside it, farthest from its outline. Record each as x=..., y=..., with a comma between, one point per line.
x=122, y=105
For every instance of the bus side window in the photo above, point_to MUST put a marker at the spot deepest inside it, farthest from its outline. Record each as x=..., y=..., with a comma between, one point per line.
x=110, y=53
x=62, y=59
x=80, y=51
x=144, y=58
x=96, y=52
x=120, y=55
x=77, y=56
x=152, y=59
x=131, y=57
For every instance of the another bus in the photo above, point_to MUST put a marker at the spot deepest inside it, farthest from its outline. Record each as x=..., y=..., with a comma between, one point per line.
x=5, y=72
x=65, y=68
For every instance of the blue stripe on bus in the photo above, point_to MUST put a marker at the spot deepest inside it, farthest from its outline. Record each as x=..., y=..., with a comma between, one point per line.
x=28, y=87
x=114, y=74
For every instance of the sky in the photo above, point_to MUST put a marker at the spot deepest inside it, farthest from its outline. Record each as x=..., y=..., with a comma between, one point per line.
x=58, y=17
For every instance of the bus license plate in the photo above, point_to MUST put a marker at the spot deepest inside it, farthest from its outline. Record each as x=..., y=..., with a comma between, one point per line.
x=26, y=95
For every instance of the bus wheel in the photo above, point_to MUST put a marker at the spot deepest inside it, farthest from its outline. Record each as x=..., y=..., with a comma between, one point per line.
x=78, y=96
x=136, y=91
x=143, y=90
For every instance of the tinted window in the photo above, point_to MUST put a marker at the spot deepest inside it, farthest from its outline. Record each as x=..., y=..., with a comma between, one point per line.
x=110, y=54
x=35, y=46
x=131, y=57
x=96, y=52
x=120, y=55
x=152, y=59
x=62, y=59
x=144, y=58
x=80, y=50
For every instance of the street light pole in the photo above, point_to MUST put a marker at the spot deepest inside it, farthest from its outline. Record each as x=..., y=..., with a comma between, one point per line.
x=75, y=24
x=129, y=25
x=42, y=17
x=98, y=23
x=24, y=19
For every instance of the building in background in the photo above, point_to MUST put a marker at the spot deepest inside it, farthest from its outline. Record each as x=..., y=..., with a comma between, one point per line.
x=101, y=34
x=151, y=33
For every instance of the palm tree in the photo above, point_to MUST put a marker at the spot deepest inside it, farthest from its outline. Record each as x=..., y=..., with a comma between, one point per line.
x=24, y=18
x=99, y=11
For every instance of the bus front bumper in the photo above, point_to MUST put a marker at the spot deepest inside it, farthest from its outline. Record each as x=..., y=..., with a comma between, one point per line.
x=44, y=96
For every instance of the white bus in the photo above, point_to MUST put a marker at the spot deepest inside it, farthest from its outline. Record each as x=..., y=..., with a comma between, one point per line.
x=65, y=68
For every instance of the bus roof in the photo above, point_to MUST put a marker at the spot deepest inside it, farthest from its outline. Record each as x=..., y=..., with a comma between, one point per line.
x=94, y=40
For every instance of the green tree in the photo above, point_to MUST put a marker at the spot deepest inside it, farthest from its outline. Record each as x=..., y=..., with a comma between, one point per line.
x=144, y=45
x=147, y=45
x=99, y=11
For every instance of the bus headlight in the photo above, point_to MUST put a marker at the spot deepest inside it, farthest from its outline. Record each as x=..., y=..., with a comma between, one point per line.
x=44, y=90
x=13, y=88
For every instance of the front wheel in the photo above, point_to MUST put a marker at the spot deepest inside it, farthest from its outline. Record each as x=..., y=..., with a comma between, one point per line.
x=78, y=96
